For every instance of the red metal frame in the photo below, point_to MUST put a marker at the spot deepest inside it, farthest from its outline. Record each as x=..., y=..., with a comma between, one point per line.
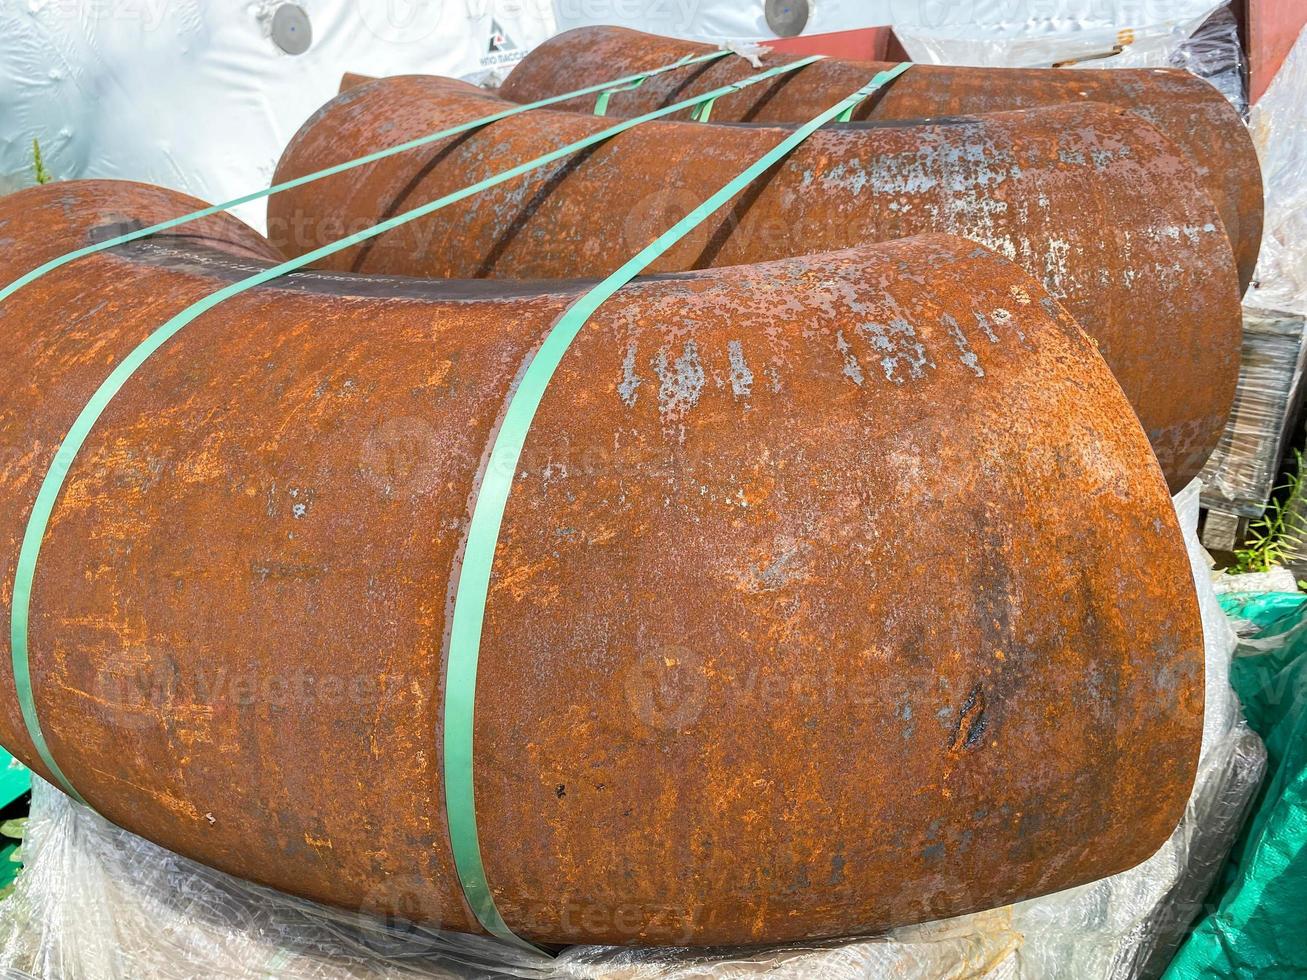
x=863, y=44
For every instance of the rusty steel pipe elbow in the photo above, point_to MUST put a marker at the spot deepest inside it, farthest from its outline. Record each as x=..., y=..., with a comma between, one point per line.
x=1198, y=118
x=1088, y=198
x=715, y=704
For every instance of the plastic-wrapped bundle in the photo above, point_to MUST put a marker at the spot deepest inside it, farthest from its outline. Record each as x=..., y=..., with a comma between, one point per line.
x=97, y=901
x=1241, y=472
x=1087, y=41
x=1214, y=53
x=1279, y=129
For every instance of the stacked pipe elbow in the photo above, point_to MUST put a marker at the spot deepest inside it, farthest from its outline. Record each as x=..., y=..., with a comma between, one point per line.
x=1208, y=134
x=838, y=588
x=1097, y=204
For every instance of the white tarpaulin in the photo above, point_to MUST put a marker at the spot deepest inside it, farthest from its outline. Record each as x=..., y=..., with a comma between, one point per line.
x=1279, y=128
x=1102, y=38
x=202, y=96
x=745, y=19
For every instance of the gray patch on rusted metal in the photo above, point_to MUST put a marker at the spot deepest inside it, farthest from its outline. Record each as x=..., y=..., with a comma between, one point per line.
x=965, y=354
x=899, y=349
x=741, y=376
x=852, y=369
x=626, y=390
x=983, y=323
x=679, y=382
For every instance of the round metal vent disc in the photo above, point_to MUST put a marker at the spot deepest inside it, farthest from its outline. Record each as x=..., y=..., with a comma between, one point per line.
x=291, y=30
x=786, y=18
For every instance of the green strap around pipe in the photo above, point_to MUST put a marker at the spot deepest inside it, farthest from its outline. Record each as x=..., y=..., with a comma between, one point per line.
x=39, y=519
x=492, y=496
x=603, y=88
x=601, y=101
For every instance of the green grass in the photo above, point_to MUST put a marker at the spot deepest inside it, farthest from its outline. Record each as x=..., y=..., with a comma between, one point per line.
x=1274, y=536
x=43, y=176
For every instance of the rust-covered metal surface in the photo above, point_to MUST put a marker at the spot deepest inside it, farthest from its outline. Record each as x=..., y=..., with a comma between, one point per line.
x=1188, y=110
x=1087, y=198
x=832, y=593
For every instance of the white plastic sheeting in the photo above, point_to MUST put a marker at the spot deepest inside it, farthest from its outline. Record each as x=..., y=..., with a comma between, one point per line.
x=1203, y=40
x=1242, y=471
x=1279, y=127
x=744, y=19
x=198, y=96
x=95, y=902
x=1091, y=40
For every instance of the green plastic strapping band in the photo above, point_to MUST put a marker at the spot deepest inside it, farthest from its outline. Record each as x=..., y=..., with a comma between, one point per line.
x=412, y=144
x=39, y=519
x=492, y=496
x=847, y=114
x=703, y=110
x=601, y=101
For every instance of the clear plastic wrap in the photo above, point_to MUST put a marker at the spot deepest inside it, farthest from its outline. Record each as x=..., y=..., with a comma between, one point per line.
x=1215, y=53
x=96, y=902
x=1278, y=579
x=1279, y=129
x=1108, y=36
x=1242, y=471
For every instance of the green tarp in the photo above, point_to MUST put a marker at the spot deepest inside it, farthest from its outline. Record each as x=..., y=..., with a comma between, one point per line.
x=1259, y=926
x=15, y=780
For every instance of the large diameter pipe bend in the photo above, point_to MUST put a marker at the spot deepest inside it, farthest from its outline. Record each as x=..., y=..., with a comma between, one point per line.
x=1087, y=198
x=799, y=625
x=1206, y=128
